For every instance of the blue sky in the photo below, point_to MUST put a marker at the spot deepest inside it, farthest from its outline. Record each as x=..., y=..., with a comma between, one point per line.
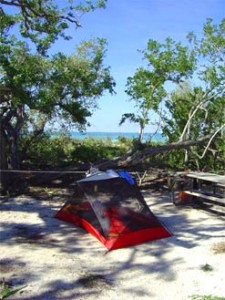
x=127, y=25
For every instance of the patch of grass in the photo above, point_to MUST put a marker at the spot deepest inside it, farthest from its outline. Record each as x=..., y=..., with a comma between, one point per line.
x=207, y=297
x=6, y=290
x=207, y=268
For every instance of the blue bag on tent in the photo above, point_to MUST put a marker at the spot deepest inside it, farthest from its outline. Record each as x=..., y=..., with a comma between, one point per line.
x=126, y=175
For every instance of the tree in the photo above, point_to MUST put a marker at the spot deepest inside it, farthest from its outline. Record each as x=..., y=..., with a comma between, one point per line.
x=189, y=116
x=169, y=62
x=181, y=105
x=35, y=82
x=62, y=86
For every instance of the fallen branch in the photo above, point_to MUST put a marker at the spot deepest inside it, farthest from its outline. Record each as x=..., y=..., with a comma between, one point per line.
x=137, y=155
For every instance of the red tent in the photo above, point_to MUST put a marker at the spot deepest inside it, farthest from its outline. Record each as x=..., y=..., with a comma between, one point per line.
x=113, y=210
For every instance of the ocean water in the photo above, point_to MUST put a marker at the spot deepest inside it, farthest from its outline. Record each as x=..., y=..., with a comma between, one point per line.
x=115, y=135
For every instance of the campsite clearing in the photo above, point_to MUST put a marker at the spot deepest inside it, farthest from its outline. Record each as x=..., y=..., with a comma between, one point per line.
x=54, y=260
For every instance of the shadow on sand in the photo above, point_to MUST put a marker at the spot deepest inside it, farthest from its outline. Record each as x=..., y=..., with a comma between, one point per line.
x=31, y=228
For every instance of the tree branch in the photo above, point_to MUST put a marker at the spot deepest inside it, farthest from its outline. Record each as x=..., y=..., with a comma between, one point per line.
x=26, y=9
x=210, y=141
x=135, y=155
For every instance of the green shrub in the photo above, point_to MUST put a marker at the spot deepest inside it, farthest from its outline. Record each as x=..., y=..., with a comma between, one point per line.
x=59, y=151
x=49, y=151
x=207, y=297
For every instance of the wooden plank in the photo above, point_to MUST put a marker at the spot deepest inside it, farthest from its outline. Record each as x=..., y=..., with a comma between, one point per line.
x=220, y=185
x=44, y=171
x=210, y=177
x=207, y=198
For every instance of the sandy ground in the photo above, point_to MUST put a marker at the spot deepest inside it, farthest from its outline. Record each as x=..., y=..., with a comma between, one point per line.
x=55, y=260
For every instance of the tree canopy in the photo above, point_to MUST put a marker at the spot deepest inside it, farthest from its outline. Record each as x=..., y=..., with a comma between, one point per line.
x=35, y=83
x=43, y=21
x=169, y=62
x=184, y=86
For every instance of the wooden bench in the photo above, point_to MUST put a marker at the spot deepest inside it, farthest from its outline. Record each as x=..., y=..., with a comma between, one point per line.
x=195, y=187
x=214, y=199
x=215, y=182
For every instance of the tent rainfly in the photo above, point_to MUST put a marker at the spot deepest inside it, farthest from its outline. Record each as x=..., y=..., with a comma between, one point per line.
x=110, y=206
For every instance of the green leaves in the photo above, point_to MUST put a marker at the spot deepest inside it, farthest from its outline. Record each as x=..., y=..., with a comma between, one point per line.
x=62, y=85
x=210, y=51
x=184, y=86
x=43, y=21
x=6, y=290
x=168, y=62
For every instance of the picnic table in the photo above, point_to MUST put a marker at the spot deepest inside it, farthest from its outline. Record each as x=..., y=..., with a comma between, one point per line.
x=208, y=187
x=199, y=186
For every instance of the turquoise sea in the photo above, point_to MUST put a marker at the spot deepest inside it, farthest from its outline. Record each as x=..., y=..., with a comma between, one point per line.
x=115, y=135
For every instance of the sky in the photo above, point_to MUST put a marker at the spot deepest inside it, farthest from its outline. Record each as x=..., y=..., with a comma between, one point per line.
x=127, y=25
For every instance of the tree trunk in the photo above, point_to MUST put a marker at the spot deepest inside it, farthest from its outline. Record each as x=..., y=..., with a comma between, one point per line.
x=135, y=156
x=11, y=140
x=3, y=153
x=140, y=136
x=11, y=126
x=14, y=161
x=3, y=161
